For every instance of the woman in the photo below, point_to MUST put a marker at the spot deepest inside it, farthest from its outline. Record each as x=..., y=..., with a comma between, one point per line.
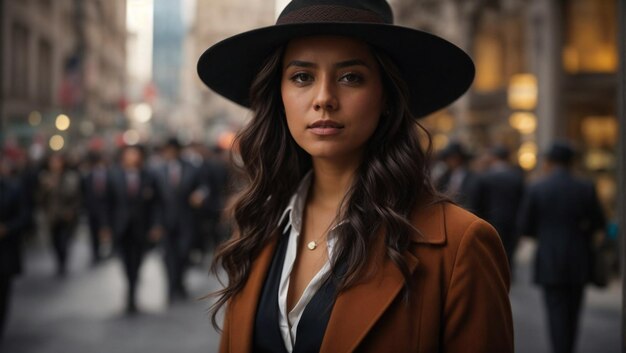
x=342, y=243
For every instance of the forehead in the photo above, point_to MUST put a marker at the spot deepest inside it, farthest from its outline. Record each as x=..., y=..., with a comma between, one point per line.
x=327, y=48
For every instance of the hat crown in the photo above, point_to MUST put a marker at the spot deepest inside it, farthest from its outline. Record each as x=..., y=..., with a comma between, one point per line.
x=363, y=11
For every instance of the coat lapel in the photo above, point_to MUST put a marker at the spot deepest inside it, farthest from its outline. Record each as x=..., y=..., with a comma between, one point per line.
x=358, y=308
x=243, y=307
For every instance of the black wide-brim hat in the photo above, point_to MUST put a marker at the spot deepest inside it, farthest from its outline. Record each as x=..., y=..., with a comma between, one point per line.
x=436, y=71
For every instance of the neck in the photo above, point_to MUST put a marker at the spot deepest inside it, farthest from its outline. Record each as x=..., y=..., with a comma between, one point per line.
x=331, y=182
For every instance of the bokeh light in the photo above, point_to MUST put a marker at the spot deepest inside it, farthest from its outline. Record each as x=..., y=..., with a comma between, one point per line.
x=527, y=155
x=131, y=137
x=34, y=118
x=62, y=122
x=57, y=142
x=524, y=122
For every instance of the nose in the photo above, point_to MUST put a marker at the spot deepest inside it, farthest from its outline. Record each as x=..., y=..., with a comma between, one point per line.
x=326, y=98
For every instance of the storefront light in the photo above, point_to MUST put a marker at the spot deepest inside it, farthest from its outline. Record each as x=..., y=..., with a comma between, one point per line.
x=527, y=155
x=522, y=92
x=57, y=142
x=524, y=122
x=527, y=160
x=62, y=122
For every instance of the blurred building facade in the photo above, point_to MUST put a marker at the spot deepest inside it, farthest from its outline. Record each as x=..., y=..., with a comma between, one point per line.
x=62, y=57
x=215, y=20
x=545, y=70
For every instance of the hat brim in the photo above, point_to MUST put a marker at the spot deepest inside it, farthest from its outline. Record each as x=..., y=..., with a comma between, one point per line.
x=436, y=71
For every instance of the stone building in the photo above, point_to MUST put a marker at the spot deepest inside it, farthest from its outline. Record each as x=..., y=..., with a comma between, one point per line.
x=61, y=57
x=545, y=70
x=216, y=20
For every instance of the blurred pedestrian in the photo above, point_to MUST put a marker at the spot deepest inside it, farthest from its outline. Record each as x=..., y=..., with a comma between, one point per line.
x=94, y=186
x=497, y=196
x=339, y=205
x=134, y=202
x=457, y=180
x=14, y=217
x=562, y=211
x=215, y=175
x=60, y=200
x=181, y=192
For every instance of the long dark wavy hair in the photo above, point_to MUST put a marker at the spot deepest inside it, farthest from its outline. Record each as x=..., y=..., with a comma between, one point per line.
x=391, y=180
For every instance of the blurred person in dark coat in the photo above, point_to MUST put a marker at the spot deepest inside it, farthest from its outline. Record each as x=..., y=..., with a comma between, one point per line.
x=94, y=186
x=562, y=211
x=497, y=196
x=14, y=217
x=133, y=199
x=214, y=174
x=457, y=180
x=182, y=192
x=60, y=199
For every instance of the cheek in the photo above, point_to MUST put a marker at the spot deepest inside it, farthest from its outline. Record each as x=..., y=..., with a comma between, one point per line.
x=368, y=108
x=292, y=104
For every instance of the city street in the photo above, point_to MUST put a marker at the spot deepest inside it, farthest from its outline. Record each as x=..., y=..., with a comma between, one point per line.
x=84, y=312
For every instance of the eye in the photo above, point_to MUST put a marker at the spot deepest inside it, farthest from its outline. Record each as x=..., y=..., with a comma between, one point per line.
x=301, y=78
x=351, y=78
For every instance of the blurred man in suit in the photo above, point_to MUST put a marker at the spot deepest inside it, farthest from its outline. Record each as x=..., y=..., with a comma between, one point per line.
x=562, y=211
x=14, y=218
x=214, y=174
x=133, y=198
x=457, y=180
x=59, y=197
x=94, y=186
x=182, y=192
x=497, y=196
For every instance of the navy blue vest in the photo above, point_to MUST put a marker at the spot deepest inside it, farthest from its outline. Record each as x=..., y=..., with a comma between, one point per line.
x=312, y=325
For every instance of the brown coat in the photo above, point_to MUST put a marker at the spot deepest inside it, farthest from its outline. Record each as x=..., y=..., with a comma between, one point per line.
x=459, y=301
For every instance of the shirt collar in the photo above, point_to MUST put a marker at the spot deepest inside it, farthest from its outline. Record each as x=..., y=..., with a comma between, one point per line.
x=295, y=207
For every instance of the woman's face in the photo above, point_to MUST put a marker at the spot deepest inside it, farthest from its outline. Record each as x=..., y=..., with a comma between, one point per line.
x=333, y=96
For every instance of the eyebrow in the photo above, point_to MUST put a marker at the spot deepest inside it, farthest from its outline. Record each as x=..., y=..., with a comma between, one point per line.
x=339, y=65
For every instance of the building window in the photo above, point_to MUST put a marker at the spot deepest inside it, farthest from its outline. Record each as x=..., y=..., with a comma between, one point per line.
x=590, y=36
x=489, y=54
x=44, y=74
x=19, y=61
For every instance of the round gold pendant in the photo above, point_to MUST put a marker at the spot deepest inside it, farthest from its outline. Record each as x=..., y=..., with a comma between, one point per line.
x=312, y=245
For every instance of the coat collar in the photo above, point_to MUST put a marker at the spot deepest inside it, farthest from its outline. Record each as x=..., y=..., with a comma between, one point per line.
x=369, y=299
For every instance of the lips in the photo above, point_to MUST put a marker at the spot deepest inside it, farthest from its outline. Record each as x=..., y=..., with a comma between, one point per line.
x=325, y=128
x=326, y=124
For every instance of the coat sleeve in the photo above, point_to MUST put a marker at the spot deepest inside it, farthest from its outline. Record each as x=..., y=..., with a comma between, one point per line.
x=477, y=311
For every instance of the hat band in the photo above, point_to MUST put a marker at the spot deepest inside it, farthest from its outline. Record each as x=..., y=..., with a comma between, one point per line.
x=329, y=13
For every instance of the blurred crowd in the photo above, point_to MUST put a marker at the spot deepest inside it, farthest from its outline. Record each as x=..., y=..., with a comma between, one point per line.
x=560, y=209
x=170, y=196
x=173, y=197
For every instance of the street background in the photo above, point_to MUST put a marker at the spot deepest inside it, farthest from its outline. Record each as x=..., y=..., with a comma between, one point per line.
x=83, y=313
x=89, y=77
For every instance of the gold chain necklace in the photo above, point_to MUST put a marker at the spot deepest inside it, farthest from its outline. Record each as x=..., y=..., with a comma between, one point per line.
x=312, y=245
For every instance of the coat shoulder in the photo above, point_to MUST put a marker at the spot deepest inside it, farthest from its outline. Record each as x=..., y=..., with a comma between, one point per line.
x=445, y=223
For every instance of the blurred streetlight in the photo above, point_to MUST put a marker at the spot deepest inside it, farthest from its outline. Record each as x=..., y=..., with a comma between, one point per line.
x=62, y=122
x=57, y=142
x=522, y=92
x=141, y=112
x=524, y=122
x=527, y=155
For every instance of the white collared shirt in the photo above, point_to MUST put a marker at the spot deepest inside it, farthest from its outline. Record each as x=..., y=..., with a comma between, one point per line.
x=288, y=322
